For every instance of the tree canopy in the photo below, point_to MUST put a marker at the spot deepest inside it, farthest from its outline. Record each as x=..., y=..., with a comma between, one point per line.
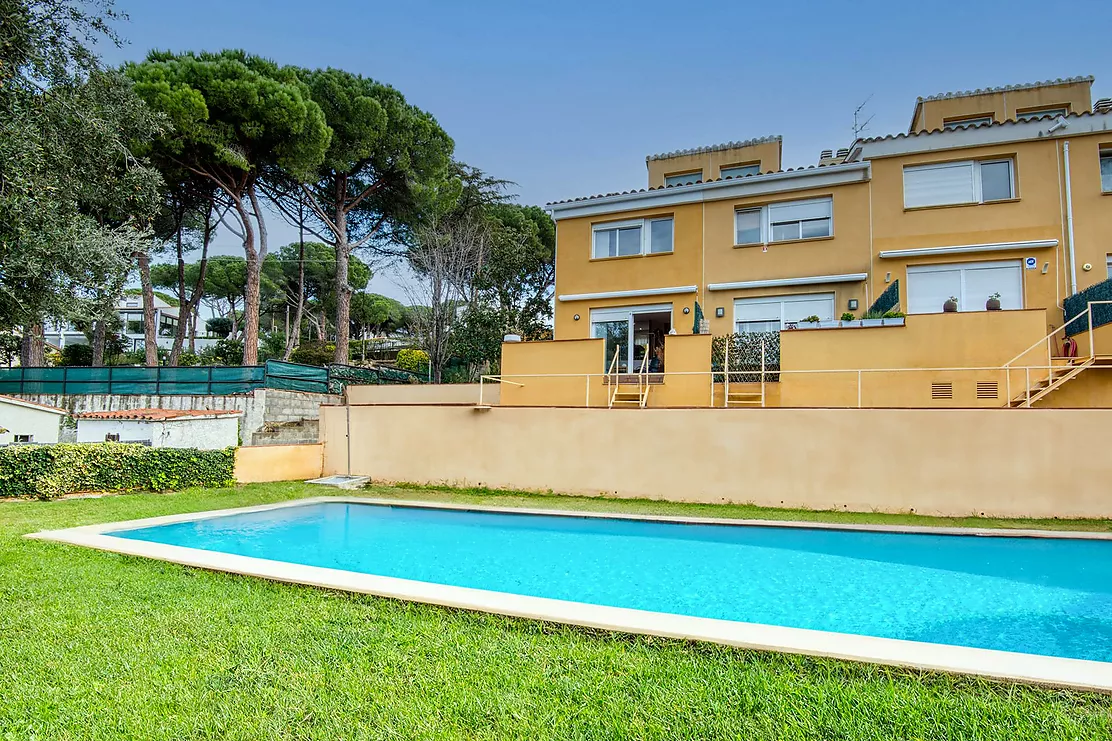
x=235, y=116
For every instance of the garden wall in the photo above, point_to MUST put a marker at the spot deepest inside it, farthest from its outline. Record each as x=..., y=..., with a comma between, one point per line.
x=423, y=393
x=263, y=463
x=1000, y=462
x=260, y=407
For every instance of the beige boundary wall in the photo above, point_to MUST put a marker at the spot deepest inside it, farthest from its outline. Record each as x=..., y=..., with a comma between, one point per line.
x=263, y=463
x=999, y=462
x=422, y=393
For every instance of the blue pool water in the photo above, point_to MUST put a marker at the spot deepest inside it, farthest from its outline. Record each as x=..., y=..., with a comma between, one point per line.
x=1042, y=596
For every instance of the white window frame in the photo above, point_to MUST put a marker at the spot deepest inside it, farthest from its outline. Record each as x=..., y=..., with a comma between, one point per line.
x=964, y=304
x=23, y=439
x=766, y=221
x=1105, y=154
x=626, y=313
x=645, y=225
x=1030, y=115
x=961, y=123
x=1108, y=266
x=978, y=197
x=683, y=178
x=753, y=167
x=783, y=300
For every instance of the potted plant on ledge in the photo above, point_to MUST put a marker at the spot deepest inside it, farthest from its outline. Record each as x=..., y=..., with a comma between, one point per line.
x=848, y=320
x=810, y=322
x=951, y=305
x=894, y=318
x=993, y=303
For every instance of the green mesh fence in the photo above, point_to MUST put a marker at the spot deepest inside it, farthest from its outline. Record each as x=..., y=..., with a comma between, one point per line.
x=888, y=300
x=297, y=377
x=745, y=352
x=132, y=381
x=1076, y=304
x=372, y=376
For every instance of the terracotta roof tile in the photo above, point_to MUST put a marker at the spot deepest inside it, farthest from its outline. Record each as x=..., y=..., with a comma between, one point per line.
x=155, y=415
x=714, y=148
x=694, y=184
x=1007, y=88
x=989, y=125
x=24, y=402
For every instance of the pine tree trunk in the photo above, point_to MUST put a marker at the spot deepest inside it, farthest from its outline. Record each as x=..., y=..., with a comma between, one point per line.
x=100, y=335
x=32, y=352
x=252, y=296
x=150, y=331
x=342, y=282
x=293, y=337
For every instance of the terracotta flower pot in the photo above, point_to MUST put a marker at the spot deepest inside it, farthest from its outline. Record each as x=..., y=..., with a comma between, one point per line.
x=950, y=306
x=993, y=304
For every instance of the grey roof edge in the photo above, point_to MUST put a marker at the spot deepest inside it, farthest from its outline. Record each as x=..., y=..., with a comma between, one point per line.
x=1007, y=88
x=989, y=125
x=715, y=147
x=700, y=183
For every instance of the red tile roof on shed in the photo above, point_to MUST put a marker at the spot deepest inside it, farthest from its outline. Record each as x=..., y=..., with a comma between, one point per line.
x=157, y=415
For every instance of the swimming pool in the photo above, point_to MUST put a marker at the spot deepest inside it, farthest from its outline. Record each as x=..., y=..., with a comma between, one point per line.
x=1048, y=596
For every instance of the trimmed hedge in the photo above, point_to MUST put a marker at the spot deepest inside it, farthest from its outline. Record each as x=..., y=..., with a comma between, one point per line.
x=887, y=301
x=1076, y=304
x=49, y=471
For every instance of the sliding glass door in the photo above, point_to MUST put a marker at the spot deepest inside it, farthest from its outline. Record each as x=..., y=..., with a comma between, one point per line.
x=634, y=333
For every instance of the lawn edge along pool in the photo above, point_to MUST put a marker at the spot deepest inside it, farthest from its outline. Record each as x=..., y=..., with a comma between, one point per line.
x=1031, y=668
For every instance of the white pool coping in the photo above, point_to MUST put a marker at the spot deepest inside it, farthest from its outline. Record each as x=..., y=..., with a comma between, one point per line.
x=1029, y=668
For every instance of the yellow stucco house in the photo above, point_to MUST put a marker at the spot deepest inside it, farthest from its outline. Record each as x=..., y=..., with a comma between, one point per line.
x=927, y=268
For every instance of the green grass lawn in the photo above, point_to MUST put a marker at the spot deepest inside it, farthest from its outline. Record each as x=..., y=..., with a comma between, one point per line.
x=101, y=646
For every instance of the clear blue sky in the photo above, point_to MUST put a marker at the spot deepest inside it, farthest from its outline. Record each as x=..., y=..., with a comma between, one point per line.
x=567, y=98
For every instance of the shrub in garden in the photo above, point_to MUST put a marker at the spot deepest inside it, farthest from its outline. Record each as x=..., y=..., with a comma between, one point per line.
x=48, y=471
x=410, y=359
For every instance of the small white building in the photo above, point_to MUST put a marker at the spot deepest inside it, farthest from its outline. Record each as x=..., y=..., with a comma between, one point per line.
x=26, y=422
x=162, y=428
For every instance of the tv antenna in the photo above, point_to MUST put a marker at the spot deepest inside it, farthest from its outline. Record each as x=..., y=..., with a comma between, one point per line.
x=859, y=126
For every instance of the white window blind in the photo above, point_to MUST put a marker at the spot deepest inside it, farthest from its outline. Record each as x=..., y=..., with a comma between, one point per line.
x=780, y=222
x=938, y=185
x=799, y=210
x=1106, y=171
x=954, y=183
x=686, y=178
x=772, y=313
x=930, y=286
x=739, y=171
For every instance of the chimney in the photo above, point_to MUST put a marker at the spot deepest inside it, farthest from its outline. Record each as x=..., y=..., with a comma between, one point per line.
x=826, y=154
x=843, y=153
x=1104, y=105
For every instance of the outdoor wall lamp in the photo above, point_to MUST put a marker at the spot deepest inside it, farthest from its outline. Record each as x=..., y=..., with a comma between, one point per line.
x=720, y=312
x=887, y=277
x=853, y=304
x=576, y=317
x=1087, y=267
x=1046, y=268
x=687, y=310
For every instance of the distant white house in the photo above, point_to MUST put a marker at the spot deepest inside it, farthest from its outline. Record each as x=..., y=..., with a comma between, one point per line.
x=130, y=309
x=162, y=428
x=26, y=422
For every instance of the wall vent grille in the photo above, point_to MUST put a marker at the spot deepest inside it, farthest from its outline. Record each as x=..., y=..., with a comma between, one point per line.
x=988, y=390
x=942, y=390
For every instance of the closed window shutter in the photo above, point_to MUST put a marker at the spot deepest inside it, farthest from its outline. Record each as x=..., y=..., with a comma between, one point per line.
x=800, y=211
x=982, y=282
x=938, y=185
x=798, y=309
x=928, y=290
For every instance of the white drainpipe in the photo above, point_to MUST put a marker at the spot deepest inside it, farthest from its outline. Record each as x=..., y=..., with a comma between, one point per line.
x=1069, y=219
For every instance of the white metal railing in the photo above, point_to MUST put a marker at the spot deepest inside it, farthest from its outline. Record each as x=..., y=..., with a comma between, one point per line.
x=858, y=375
x=1088, y=313
x=613, y=370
